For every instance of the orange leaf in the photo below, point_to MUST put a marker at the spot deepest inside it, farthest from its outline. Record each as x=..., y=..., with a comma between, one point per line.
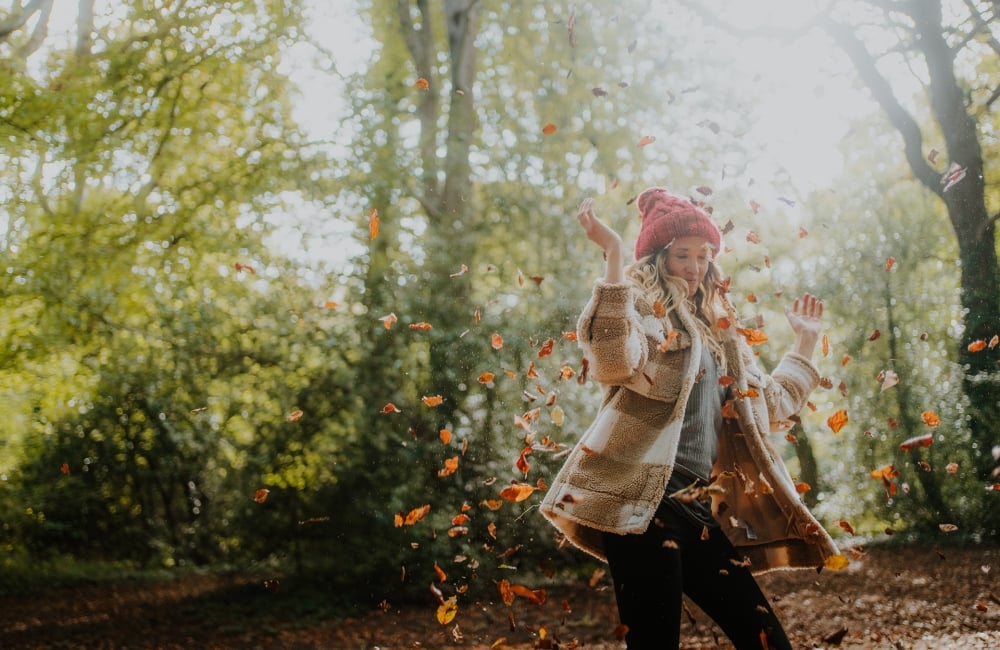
x=64, y=468
x=491, y=528
x=874, y=335
x=647, y=140
x=294, y=416
x=423, y=327
x=826, y=345
x=671, y=337
x=802, y=488
x=492, y=504
x=390, y=408
x=423, y=84
x=546, y=348
x=729, y=410
x=462, y=271
x=885, y=473
x=659, y=310
x=889, y=263
x=373, y=223
x=496, y=341
x=753, y=237
x=917, y=441
x=803, y=233
x=440, y=573
x=260, y=496
x=837, y=421
x=517, y=492
x=244, y=267
x=506, y=593
x=977, y=346
x=993, y=341
x=450, y=466
x=723, y=323
x=753, y=337
x=536, y=596
x=388, y=320
x=836, y=562
x=446, y=610
x=413, y=516
x=569, y=336
x=522, y=461
x=751, y=297
x=432, y=401
x=549, y=129
x=846, y=525
x=930, y=418
x=486, y=378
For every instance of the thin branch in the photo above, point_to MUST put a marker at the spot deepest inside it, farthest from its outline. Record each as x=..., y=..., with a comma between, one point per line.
x=39, y=33
x=17, y=20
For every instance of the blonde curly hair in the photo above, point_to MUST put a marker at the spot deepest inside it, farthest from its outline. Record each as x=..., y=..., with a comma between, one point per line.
x=710, y=303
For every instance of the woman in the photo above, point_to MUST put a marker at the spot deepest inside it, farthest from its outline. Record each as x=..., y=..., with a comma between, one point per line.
x=684, y=421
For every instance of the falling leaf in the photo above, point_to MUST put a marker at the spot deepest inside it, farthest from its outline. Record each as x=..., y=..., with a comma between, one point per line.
x=506, y=593
x=954, y=174
x=244, y=267
x=446, y=610
x=421, y=326
x=531, y=373
x=571, y=26
x=492, y=504
x=647, y=140
x=993, y=342
x=413, y=516
x=803, y=233
x=826, y=345
x=977, y=346
x=557, y=416
x=753, y=237
x=546, y=348
x=432, y=400
x=549, y=129
x=329, y=304
x=522, y=461
x=294, y=416
x=844, y=360
x=496, y=341
x=889, y=263
x=423, y=84
x=64, y=468
x=450, y=467
x=917, y=441
x=486, y=378
x=534, y=596
x=517, y=492
x=445, y=436
x=390, y=408
x=388, y=320
x=671, y=337
x=372, y=224
x=260, y=496
x=837, y=421
x=802, y=488
x=846, y=525
x=948, y=528
x=751, y=297
x=659, y=310
x=752, y=336
x=599, y=92
x=462, y=271
x=952, y=468
x=930, y=418
x=874, y=335
x=889, y=379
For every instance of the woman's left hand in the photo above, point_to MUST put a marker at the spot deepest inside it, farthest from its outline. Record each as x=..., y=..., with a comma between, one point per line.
x=805, y=316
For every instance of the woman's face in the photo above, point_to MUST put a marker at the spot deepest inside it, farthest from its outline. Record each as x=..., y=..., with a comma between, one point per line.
x=688, y=259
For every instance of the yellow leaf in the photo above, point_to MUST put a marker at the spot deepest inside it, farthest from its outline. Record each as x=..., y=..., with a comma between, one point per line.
x=836, y=562
x=447, y=610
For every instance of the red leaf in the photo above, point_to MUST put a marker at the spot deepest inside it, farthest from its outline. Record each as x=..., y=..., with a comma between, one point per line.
x=917, y=441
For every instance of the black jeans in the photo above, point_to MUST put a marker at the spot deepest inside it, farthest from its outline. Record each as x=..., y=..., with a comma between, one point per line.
x=650, y=578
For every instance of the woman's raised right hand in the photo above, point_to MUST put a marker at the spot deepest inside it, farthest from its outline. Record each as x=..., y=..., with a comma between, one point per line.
x=597, y=231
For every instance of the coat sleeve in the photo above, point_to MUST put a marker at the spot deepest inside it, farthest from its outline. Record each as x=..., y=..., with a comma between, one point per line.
x=610, y=333
x=785, y=390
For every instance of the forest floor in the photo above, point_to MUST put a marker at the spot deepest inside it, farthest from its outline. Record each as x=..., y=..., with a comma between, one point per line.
x=894, y=598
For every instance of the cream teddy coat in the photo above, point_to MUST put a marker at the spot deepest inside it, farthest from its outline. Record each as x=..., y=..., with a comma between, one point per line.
x=616, y=475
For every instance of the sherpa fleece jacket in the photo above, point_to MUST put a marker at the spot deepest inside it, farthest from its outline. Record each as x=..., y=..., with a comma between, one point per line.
x=616, y=475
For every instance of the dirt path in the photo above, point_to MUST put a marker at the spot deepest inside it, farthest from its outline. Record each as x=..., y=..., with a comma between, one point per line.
x=892, y=598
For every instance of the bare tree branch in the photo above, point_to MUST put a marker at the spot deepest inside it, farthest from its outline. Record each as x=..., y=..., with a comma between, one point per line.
x=85, y=28
x=17, y=19
x=40, y=32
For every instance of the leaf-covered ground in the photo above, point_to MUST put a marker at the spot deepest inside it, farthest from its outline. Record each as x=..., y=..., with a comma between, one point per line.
x=911, y=598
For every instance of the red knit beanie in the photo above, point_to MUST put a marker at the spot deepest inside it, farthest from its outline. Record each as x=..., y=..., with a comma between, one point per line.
x=666, y=217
